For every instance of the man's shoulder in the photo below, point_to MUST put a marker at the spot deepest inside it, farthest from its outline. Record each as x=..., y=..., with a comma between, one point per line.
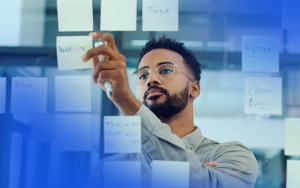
x=214, y=150
x=214, y=145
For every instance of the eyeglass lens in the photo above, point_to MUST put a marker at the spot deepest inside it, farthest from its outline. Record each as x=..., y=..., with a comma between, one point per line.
x=163, y=71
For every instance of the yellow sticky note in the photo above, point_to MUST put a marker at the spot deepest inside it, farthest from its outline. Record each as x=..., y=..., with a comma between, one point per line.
x=75, y=15
x=118, y=15
x=293, y=171
x=292, y=139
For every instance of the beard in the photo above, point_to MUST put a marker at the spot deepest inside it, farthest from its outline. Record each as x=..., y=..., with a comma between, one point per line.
x=171, y=106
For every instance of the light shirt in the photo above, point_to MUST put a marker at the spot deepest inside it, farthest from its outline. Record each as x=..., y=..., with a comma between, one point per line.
x=237, y=166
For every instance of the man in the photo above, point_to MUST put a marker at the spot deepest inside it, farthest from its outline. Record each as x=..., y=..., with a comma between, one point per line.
x=167, y=80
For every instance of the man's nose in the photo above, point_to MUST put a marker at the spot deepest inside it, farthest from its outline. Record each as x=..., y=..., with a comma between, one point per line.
x=153, y=78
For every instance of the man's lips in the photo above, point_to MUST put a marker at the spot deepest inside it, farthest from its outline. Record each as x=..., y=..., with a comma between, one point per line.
x=154, y=94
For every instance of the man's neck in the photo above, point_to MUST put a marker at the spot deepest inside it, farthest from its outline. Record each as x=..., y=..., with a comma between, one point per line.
x=182, y=123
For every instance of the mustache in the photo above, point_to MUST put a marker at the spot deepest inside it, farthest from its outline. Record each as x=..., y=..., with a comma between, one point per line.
x=162, y=90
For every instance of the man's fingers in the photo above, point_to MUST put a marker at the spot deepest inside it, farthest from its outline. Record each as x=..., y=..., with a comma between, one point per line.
x=108, y=75
x=101, y=50
x=210, y=163
x=107, y=37
x=106, y=65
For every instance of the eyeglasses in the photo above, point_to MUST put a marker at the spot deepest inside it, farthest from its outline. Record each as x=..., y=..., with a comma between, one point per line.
x=164, y=71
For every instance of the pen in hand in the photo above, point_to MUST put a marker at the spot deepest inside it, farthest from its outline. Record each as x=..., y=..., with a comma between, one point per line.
x=107, y=84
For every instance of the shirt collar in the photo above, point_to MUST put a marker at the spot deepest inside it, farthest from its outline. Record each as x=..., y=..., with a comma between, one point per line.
x=193, y=140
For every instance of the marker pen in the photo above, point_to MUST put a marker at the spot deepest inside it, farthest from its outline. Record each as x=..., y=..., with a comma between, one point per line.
x=107, y=84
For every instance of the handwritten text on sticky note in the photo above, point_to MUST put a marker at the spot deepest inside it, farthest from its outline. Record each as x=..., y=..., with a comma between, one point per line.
x=70, y=51
x=260, y=54
x=122, y=134
x=29, y=95
x=75, y=15
x=263, y=95
x=160, y=15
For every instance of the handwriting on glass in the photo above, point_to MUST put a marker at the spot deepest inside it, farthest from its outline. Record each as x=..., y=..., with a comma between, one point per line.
x=261, y=92
x=158, y=11
x=70, y=49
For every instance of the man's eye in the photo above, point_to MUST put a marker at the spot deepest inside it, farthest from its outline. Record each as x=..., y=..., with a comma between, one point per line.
x=165, y=71
x=143, y=76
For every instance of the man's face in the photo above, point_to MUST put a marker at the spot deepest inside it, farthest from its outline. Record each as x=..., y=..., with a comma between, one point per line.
x=165, y=97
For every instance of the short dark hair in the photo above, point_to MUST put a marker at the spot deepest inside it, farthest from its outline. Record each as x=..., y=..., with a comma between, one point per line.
x=172, y=44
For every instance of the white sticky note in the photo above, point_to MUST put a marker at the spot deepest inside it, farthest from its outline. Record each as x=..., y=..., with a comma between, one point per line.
x=75, y=15
x=70, y=51
x=292, y=176
x=73, y=94
x=122, y=18
x=28, y=95
x=263, y=95
x=10, y=32
x=160, y=15
x=260, y=53
x=292, y=139
x=2, y=94
x=175, y=174
x=122, y=174
x=73, y=132
x=122, y=134
x=290, y=14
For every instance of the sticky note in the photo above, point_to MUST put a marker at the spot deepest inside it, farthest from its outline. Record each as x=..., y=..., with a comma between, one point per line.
x=122, y=18
x=122, y=134
x=263, y=95
x=173, y=174
x=2, y=94
x=28, y=95
x=73, y=94
x=160, y=15
x=70, y=51
x=11, y=29
x=73, y=132
x=75, y=15
x=260, y=53
x=290, y=14
x=292, y=176
x=292, y=139
x=42, y=127
x=122, y=174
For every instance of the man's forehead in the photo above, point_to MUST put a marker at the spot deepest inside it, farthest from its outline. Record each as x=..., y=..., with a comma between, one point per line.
x=160, y=56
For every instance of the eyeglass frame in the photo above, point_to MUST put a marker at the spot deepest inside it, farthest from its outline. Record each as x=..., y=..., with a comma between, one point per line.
x=150, y=71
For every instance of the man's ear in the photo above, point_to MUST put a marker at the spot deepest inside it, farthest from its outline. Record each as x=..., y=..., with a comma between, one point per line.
x=194, y=89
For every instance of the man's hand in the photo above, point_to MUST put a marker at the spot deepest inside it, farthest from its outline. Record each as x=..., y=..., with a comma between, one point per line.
x=114, y=71
x=210, y=163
